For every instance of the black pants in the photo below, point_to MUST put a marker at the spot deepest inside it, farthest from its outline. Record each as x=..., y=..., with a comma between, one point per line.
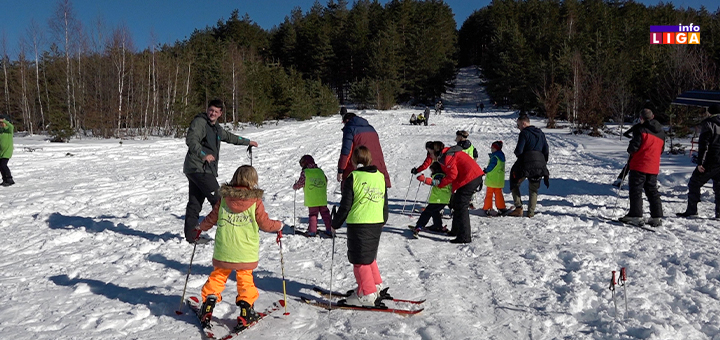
x=697, y=180
x=460, y=202
x=201, y=187
x=433, y=210
x=4, y=170
x=640, y=181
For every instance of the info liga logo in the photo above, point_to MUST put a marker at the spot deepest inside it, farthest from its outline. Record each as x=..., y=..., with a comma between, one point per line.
x=675, y=34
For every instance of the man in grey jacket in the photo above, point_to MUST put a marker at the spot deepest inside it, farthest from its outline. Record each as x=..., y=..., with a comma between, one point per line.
x=201, y=162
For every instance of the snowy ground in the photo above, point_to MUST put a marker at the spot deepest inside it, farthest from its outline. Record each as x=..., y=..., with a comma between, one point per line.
x=94, y=249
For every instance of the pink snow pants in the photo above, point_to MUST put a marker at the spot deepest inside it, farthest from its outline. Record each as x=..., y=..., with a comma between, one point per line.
x=313, y=218
x=367, y=276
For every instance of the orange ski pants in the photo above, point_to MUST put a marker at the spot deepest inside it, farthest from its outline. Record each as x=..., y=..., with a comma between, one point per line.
x=245, y=285
x=499, y=199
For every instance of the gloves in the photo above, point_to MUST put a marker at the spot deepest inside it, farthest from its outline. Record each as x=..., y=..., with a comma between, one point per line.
x=196, y=237
x=421, y=178
x=413, y=171
x=426, y=180
x=279, y=236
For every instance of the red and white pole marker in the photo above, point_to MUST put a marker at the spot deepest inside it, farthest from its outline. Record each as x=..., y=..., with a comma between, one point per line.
x=622, y=281
x=612, y=289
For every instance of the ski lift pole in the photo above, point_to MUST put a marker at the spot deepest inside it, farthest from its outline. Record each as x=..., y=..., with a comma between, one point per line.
x=623, y=282
x=612, y=289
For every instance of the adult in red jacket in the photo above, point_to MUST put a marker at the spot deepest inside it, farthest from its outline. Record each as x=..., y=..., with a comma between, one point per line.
x=645, y=148
x=358, y=132
x=465, y=176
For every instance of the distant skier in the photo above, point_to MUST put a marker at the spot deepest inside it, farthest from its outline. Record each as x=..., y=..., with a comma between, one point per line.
x=495, y=179
x=645, y=149
x=708, y=160
x=240, y=215
x=421, y=119
x=482, y=107
x=413, y=119
x=314, y=184
x=439, y=198
x=532, y=153
x=6, y=150
x=358, y=132
x=427, y=115
x=438, y=107
x=201, y=161
x=466, y=177
x=364, y=206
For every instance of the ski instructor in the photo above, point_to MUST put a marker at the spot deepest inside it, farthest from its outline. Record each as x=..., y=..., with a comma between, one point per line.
x=358, y=132
x=201, y=161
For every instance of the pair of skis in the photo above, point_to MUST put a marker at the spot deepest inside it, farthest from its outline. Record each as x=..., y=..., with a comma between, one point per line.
x=617, y=221
x=214, y=328
x=340, y=305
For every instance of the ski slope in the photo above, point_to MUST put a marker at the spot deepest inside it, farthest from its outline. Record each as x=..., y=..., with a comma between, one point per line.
x=93, y=246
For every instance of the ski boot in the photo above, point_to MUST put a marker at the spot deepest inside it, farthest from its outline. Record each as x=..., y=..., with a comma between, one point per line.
x=207, y=309
x=248, y=316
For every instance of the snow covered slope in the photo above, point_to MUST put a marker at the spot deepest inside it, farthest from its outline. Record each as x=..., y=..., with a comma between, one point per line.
x=93, y=246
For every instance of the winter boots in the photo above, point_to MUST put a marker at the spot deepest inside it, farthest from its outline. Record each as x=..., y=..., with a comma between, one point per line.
x=636, y=221
x=518, y=212
x=369, y=300
x=207, y=309
x=248, y=315
x=8, y=182
x=655, y=222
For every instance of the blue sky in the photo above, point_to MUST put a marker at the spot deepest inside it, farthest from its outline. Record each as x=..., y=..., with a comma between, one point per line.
x=175, y=20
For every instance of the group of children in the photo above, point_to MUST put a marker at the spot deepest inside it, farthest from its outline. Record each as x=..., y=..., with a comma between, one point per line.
x=418, y=120
x=439, y=198
x=240, y=215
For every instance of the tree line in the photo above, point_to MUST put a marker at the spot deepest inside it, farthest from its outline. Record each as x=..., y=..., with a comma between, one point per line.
x=76, y=79
x=590, y=61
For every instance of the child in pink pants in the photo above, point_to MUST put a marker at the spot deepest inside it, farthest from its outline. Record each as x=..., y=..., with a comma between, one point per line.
x=314, y=184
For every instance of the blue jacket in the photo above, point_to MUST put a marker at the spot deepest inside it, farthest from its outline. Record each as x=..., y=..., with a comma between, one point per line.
x=532, y=139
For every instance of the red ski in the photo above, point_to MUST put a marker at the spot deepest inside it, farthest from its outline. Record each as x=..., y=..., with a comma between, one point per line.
x=239, y=328
x=384, y=294
x=334, y=305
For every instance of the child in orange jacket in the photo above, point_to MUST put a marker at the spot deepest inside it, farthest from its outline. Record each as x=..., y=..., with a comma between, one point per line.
x=239, y=215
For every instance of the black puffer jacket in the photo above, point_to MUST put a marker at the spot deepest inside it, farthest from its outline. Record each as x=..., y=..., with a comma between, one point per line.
x=530, y=165
x=709, y=143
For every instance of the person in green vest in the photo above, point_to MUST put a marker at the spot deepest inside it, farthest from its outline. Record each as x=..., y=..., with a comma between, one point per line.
x=239, y=215
x=439, y=198
x=461, y=137
x=364, y=206
x=6, y=151
x=314, y=184
x=495, y=179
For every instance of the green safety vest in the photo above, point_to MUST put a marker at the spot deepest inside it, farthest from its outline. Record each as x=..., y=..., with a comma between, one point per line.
x=469, y=151
x=440, y=195
x=238, y=235
x=369, y=200
x=315, y=188
x=496, y=177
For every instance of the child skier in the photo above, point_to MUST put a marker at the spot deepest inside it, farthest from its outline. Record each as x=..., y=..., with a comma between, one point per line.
x=495, y=179
x=314, y=183
x=365, y=207
x=439, y=198
x=6, y=151
x=239, y=214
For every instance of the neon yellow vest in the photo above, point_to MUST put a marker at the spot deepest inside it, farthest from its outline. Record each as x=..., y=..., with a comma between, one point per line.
x=238, y=236
x=496, y=177
x=469, y=150
x=440, y=195
x=315, y=188
x=369, y=200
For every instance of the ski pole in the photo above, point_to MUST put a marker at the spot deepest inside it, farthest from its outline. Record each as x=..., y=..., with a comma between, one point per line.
x=407, y=193
x=282, y=269
x=294, y=209
x=332, y=257
x=623, y=279
x=182, y=298
x=415, y=200
x=617, y=196
x=612, y=289
x=249, y=150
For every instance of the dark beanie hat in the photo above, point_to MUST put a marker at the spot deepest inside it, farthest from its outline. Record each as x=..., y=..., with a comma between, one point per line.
x=343, y=110
x=306, y=160
x=497, y=145
x=714, y=109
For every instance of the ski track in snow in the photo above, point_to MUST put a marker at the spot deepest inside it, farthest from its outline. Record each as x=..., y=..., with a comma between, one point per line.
x=93, y=244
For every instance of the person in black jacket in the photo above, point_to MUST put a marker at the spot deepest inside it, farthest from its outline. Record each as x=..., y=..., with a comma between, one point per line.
x=201, y=162
x=708, y=161
x=532, y=153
